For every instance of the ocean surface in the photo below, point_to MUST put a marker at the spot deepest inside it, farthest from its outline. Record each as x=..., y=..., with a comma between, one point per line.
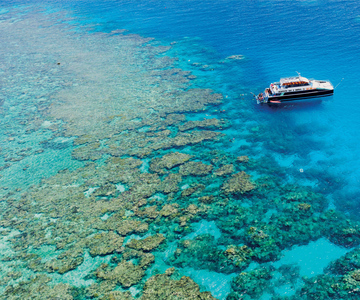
x=133, y=153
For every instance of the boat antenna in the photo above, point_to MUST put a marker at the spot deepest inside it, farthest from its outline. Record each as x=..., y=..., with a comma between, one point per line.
x=298, y=73
x=338, y=83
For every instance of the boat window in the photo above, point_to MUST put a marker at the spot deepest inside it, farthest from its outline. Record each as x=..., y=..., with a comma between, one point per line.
x=295, y=84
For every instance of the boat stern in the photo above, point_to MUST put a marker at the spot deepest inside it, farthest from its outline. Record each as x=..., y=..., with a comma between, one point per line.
x=260, y=98
x=322, y=85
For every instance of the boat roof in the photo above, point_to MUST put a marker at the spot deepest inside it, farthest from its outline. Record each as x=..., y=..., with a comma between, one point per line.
x=293, y=80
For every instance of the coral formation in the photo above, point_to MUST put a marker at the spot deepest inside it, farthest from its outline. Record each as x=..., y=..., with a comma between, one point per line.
x=122, y=163
x=145, y=259
x=224, y=170
x=147, y=244
x=170, y=184
x=189, y=191
x=37, y=288
x=104, y=243
x=125, y=273
x=253, y=283
x=169, y=210
x=208, y=256
x=238, y=183
x=195, y=168
x=162, y=286
x=169, y=161
x=207, y=123
x=65, y=262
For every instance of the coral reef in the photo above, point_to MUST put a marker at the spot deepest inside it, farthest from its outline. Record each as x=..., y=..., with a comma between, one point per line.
x=243, y=159
x=203, y=253
x=169, y=210
x=224, y=170
x=123, y=227
x=328, y=287
x=240, y=256
x=145, y=259
x=114, y=161
x=162, y=286
x=349, y=262
x=169, y=161
x=37, y=288
x=104, y=243
x=195, y=168
x=264, y=246
x=238, y=183
x=207, y=123
x=88, y=152
x=146, y=244
x=65, y=262
x=189, y=191
x=252, y=284
x=117, y=295
x=170, y=184
x=125, y=273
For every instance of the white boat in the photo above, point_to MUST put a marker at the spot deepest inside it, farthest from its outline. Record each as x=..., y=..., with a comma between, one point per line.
x=295, y=88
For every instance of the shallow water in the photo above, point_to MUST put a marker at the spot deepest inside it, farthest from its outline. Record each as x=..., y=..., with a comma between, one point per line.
x=118, y=161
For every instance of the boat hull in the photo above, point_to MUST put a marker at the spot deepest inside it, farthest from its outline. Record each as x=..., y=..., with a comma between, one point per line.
x=299, y=96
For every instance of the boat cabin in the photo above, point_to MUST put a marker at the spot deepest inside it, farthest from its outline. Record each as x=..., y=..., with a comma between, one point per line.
x=294, y=82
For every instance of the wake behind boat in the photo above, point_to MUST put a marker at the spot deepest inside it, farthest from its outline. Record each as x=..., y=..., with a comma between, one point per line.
x=295, y=88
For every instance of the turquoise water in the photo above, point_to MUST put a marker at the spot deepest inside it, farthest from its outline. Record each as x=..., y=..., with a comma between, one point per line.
x=118, y=163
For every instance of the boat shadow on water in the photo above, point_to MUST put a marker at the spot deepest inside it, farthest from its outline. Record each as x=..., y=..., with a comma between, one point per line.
x=298, y=105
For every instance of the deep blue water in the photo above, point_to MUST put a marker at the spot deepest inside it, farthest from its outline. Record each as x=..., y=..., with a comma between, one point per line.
x=316, y=143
